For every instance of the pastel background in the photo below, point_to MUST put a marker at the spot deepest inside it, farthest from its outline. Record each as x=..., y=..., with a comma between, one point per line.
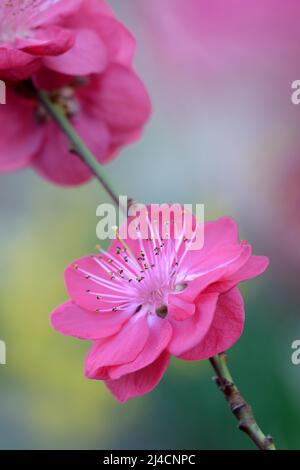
x=223, y=133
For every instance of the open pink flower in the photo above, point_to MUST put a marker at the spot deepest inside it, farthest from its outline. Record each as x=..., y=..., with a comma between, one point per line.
x=145, y=300
x=82, y=56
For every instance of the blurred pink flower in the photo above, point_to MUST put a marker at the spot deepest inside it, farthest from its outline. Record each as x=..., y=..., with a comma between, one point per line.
x=217, y=40
x=143, y=301
x=93, y=81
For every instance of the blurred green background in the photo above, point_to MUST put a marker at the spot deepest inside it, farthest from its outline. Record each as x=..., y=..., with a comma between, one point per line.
x=222, y=142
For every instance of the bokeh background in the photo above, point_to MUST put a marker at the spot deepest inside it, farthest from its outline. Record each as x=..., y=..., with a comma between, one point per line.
x=224, y=133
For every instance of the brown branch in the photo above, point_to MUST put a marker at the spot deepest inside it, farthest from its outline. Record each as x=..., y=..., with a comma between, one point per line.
x=238, y=405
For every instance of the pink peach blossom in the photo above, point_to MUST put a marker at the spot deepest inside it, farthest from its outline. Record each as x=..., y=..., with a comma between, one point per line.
x=93, y=81
x=143, y=301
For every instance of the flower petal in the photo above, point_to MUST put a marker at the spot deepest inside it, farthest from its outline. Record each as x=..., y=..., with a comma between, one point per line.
x=179, y=308
x=118, y=349
x=225, y=329
x=255, y=266
x=221, y=231
x=71, y=320
x=17, y=119
x=48, y=40
x=119, y=41
x=159, y=336
x=139, y=382
x=87, y=56
x=17, y=65
x=98, y=16
x=220, y=263
x=188, y=333
x=56, y=163
x=217, y=233
x=121, y=89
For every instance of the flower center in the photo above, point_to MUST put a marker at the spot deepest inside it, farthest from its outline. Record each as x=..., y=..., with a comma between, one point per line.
x=157, y=283
x=162, y=311
x=66, y=98
x=144, y=281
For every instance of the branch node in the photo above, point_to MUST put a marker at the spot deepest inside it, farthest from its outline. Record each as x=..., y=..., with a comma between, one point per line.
x=238, y=405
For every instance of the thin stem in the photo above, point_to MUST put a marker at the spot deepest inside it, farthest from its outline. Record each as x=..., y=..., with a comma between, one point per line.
x=78, y=146
x=238, y=405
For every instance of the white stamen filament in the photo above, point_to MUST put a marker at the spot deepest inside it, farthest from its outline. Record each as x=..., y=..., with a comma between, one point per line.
x=146, y=282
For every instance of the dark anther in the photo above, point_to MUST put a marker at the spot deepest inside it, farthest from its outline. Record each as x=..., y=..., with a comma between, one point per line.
x=162, y=311
x=138, y=309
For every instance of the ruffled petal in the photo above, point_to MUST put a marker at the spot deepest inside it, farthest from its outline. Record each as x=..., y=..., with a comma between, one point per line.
x=141, y=382
x=225, y=330
x=255, y=266
x=159, y=336
x=49, y=40
x=179, y=308
x=119, y=41
x=98, y=16
x=118, y=349
x=122, y=89
x=87, y=56
x=217, y=233
x=220, y=263
x=188, y=333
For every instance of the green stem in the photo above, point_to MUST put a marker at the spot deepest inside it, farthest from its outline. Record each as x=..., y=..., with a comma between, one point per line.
x=238, y=405
x=78, y=146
